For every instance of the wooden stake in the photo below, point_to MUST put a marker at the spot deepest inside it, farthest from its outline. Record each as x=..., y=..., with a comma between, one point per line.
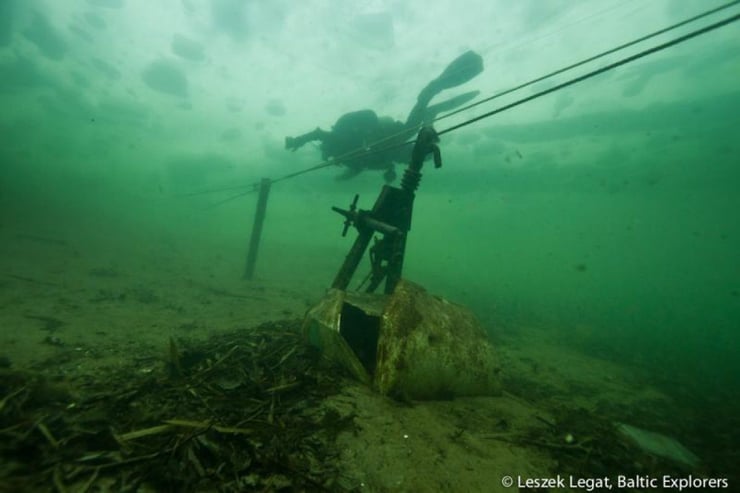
x=259, y=219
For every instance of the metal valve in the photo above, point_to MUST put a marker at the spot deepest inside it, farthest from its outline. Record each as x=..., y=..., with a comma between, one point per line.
x=350, y=214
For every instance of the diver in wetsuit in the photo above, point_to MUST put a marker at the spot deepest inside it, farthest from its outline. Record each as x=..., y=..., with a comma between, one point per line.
x=351, y=138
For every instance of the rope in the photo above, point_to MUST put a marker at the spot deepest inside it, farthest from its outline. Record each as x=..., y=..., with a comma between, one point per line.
x=593, y=58
x=601, y=70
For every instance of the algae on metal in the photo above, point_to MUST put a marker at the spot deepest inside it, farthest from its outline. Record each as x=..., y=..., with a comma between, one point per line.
x=426, y=348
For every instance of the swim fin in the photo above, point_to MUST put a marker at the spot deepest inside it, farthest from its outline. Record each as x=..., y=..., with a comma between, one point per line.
x=450, y=104
x=462, y=69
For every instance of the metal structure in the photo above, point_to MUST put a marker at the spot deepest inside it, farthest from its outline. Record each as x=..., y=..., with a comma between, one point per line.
x=391, y=217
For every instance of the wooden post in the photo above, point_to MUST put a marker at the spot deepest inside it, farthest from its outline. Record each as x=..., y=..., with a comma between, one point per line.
x=259, y=219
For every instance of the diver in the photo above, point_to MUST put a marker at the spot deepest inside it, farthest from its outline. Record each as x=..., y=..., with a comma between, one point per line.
x=350, y=141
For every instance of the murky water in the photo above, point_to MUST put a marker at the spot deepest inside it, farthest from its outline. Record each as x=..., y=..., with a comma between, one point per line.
x=606, y=213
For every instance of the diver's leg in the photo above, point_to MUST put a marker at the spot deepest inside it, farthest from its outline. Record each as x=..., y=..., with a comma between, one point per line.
x=390, y=174
x=349, y=172
x=449, y=104
x=459, y=71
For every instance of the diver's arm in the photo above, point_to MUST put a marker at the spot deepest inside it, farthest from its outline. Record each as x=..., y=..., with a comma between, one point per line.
x=295, y=143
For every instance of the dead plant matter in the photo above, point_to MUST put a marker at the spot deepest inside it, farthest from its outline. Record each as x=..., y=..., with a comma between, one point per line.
x=240, y=412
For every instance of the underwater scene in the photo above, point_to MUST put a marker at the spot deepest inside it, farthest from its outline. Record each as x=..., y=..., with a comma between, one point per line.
x=382, y=246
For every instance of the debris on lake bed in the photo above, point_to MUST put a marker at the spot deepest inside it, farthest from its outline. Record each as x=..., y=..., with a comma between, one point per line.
x=261, y=409
x=242, y=411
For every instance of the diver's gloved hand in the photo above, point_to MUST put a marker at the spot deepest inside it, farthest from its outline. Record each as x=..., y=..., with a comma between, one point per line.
x=291, y=144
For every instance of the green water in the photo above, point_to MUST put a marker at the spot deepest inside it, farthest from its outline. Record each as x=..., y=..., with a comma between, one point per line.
x=608, y=213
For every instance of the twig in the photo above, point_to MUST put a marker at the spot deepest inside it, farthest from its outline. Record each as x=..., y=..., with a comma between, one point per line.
x=207, y=425
x=145, y=432
x=45, y=431
x=10, y=396
x=57, y=478
x=284, y=386
x=218, y=362
x=91, y=481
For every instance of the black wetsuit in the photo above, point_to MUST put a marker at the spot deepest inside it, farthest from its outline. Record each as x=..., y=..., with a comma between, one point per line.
x=358, y=139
